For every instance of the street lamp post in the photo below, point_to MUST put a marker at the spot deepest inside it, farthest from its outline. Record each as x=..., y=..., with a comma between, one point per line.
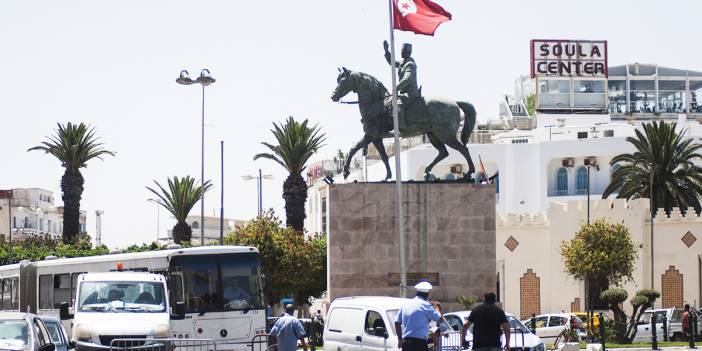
x=650, y=190
x=590, y=162
x=204, y=80
x=259, y=187
x=158, y=217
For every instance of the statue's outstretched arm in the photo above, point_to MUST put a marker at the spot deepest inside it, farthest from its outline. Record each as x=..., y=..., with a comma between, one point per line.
x=387, y=54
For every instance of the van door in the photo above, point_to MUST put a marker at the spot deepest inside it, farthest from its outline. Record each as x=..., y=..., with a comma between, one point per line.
x=344, y=329
x=370, y=340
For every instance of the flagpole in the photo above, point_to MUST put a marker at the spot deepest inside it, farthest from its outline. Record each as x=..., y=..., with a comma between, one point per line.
x=398, y=174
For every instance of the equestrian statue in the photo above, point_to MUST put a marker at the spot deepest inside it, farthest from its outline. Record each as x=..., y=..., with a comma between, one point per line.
x=439, y=119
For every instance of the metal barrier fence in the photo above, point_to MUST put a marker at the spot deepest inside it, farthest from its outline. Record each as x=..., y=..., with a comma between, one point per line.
x=448, y=341
x=165, y=344
x=260, y=343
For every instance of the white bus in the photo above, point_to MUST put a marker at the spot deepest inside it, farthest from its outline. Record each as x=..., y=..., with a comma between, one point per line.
x=221, y=288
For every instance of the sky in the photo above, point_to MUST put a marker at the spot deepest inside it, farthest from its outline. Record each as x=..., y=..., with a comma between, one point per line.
x=113, y=64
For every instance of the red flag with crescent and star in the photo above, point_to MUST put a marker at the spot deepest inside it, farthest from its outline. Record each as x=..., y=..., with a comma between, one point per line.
x=419, y=16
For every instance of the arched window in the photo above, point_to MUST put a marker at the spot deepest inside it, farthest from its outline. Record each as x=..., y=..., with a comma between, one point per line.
x=195, y=225
x=581, y=180
x=562, y=181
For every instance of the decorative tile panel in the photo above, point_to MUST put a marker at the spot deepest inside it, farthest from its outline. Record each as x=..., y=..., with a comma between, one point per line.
x=512, y=243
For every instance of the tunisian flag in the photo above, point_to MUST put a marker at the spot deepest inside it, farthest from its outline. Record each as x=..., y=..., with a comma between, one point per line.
x=419, y=16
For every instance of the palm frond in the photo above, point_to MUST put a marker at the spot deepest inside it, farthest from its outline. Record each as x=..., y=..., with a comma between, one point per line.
x=668, y=156
x=180, y=197
x=297, y=142
x=73, y=145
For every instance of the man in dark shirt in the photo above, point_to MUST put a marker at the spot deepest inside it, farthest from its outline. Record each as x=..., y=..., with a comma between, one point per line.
x=488, y=319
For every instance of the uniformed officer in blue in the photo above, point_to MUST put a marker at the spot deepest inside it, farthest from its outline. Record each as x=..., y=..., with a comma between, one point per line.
x=412, y=321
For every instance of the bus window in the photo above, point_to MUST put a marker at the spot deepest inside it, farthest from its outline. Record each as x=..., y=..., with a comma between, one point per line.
x=74, y=286
x=62, y=288
x=46, y=291
x=206, y=278
x=15, y=293
x=240, y=282
x=200, y=278
x=6, y=294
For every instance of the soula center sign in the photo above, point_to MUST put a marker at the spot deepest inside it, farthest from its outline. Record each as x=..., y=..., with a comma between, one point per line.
x=568, y=58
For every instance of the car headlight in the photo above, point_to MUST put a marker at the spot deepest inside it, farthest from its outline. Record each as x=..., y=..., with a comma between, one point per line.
x=162, y=331
x=539, y=347
x=82, y=332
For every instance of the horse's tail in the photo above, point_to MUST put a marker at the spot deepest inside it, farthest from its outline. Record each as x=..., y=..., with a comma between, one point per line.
x=469, y=123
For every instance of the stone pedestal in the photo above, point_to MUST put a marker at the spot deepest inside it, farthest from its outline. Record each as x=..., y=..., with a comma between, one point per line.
x=450, y=238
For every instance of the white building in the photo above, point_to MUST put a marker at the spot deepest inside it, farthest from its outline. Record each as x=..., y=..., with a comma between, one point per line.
x=543, y=165
x=212, y=225
x=33, y=213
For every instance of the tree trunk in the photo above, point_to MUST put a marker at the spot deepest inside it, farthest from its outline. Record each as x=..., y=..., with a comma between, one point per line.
x=72, y=189
x=295, y=195
x=182, y=232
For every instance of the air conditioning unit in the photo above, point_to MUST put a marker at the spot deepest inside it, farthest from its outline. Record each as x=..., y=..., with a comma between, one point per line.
x=568, y=162
x=457, y=169
x=591, y=161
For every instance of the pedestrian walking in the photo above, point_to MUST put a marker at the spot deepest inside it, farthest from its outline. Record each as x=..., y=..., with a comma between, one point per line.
x=488, y=320
x=287, y=330
x=413, y=318
x=686, y=321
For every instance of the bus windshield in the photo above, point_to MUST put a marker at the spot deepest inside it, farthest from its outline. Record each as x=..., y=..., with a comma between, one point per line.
x=121, y=296
x=217, y=282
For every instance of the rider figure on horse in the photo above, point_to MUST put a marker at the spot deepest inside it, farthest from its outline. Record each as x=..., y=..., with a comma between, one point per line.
x=407, y=86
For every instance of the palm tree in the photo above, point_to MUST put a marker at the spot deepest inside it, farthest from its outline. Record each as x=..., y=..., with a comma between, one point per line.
x=180, y=197
x=297, y=142
x=74, y=145
x=677, y=181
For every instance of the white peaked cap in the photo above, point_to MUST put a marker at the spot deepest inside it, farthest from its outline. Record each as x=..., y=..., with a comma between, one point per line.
x=423, y=287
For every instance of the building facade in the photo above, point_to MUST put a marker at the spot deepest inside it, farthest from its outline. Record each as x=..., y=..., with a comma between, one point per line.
x=532, y=276
x=211, y=226
x=33, y=213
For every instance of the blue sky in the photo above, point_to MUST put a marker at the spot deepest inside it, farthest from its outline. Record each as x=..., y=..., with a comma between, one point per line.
x=113, y=64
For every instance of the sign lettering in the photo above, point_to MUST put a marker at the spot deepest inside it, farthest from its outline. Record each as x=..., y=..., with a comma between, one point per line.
x=568, y=58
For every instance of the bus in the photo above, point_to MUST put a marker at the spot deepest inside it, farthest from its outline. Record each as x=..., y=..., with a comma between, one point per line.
x=221, y=288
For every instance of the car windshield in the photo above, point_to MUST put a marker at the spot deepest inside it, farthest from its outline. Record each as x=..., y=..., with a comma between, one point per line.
x=121, y=296
x=55, y=332
x=516, y=325
x=13, y=334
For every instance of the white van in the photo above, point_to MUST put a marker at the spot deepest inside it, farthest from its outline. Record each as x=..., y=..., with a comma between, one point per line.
x=362, y=323
x=118, y=305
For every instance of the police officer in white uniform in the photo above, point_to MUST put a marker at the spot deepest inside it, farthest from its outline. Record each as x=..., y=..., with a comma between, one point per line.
x=412, y=321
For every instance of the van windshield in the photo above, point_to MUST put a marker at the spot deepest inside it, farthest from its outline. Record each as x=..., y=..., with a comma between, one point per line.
x=121, y=297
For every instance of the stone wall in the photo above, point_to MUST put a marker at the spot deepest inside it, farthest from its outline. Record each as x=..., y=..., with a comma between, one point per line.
x=450, y=230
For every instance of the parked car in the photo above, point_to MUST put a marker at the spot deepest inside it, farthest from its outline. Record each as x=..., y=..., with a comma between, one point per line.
x=23, y=332
x=549, y=326
x=673, y=323
x=520, y=335
x=58, y=334
x=362, y=323
x=586, y=320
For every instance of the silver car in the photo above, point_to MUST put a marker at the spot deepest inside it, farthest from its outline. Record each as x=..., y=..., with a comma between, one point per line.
x=23, y=332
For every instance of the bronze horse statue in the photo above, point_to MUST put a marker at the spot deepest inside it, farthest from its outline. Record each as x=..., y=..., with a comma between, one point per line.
x=438, y=119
